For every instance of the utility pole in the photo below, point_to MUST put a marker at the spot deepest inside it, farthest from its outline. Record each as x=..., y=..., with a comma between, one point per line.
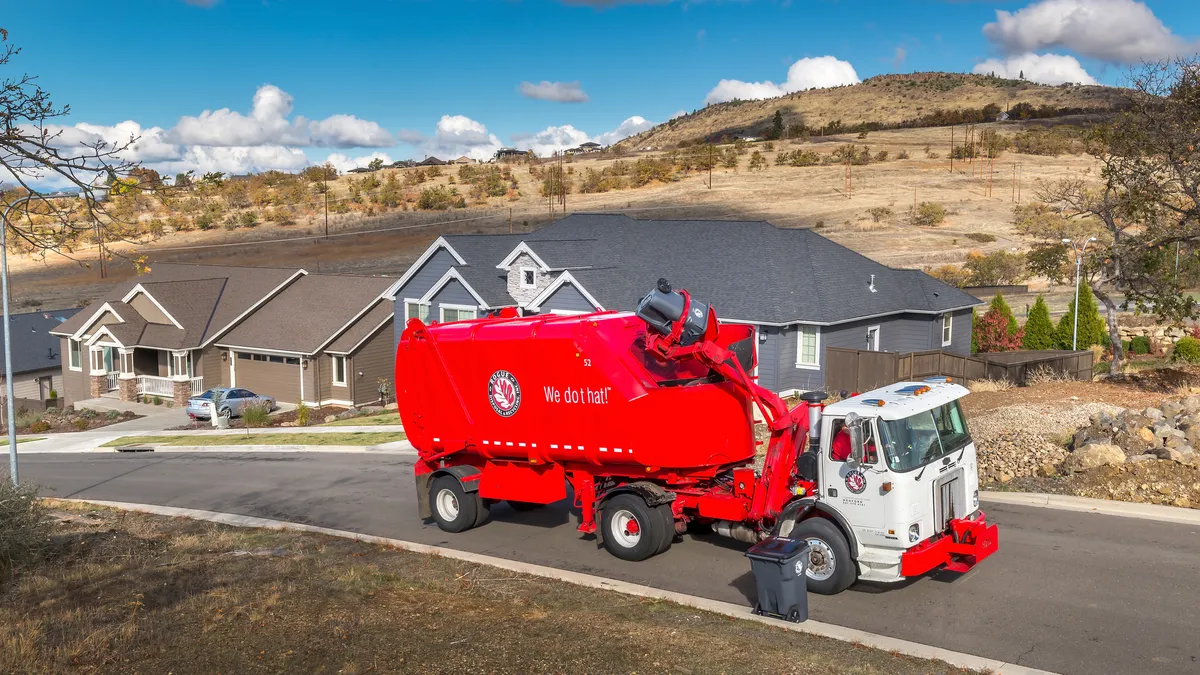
x=951, y=148
x=325, y=191
x=510, y=220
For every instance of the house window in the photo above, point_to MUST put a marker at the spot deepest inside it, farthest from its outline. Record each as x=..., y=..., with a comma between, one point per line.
x=339, y=370
x=947, y=325
x=180, y=364
x=97, y=360
x=528, y=277
x=127, y=362
x=292, y=360
x=873, y=338
x=75, y=360
x=414, y=309
x=808, y=341
x=453, y=313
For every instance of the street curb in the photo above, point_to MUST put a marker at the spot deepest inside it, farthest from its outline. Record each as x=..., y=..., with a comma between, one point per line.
x=1105, y=507
x=201, y=449
x=817, y=628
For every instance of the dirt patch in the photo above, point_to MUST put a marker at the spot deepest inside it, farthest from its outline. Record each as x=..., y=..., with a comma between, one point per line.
x=1152, y=482
x=66, y=420
x=279, y=419
x=127, y=592
x=1127, y=394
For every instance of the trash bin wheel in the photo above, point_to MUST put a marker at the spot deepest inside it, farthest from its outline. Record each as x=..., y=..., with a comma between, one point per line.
x=831, y=569
x=454, y=509
x=632, y=528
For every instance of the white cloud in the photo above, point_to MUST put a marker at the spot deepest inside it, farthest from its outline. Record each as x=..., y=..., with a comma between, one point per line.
x=1043, y=68
x=552, y=139
x=808, y=73
x=454, y=136
x=1119, y=31
x=343, y=163
x=560, y=92
x=631, y=126
x=268, y=124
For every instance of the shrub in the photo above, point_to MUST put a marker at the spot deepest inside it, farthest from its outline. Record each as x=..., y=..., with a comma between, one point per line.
x=157, y=400
x=1091, y=324
x=1001, y=306
x=881, y=156
x=1039, y=330
x=24, y=526
x=437, y=198
x=992, y=333
x=80, y=424
x=928, y=214
x=26, y=418
x=88, y=413
x=53, y=394
x=1139, y=345
x=303, y=415
x=757, y=161
x=981, y=237
x=949, y=274
x=112, y=415
x=995, y=269
x=903, y=154
x=256, y=415
x=1187, y=350
x=879, y=213
x=39, y=427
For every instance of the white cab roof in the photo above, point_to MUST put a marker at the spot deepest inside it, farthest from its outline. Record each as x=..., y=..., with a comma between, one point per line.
x=900, y=400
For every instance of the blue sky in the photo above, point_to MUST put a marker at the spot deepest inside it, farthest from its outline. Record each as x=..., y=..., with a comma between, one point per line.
x=404, y=79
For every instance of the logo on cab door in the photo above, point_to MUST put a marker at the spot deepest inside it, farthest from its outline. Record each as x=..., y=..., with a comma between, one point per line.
x=504, y=393
x=856, y=482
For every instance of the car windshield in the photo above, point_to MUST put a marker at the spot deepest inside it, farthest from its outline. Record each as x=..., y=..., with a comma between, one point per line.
x=915, y=441
x=206, y=395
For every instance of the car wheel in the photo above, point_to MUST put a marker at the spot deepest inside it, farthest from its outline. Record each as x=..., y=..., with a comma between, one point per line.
x=225, y=412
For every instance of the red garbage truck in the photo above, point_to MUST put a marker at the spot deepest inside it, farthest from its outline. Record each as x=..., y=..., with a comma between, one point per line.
x=649, y=419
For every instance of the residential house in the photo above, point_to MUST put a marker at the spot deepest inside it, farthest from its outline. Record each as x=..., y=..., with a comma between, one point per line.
x=185, y=328
x=462, y=160
x=36, y=357
x=802, y=292
x=431, y=161
x=509, y=154
x=590, y=146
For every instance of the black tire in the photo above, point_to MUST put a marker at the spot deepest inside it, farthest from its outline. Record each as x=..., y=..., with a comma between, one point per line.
x=523, y=506
x=483, y=508
x=639, y=542
x=453, y=515
x=225, y=412
x=667, y=519
x=827, y=541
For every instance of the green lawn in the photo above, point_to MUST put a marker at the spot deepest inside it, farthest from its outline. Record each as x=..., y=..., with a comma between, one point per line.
x=28, y=440
x=367, y=420
x=349, y=438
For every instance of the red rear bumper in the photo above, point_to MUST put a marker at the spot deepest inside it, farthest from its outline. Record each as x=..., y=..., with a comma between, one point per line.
x=968, y=542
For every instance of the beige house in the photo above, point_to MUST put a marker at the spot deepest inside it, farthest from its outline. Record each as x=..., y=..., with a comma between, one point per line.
x=167, y=334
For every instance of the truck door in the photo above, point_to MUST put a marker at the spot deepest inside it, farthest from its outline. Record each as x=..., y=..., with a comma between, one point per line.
x=853, y=489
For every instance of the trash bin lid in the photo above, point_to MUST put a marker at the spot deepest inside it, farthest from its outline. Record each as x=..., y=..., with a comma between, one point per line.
x=778, y=548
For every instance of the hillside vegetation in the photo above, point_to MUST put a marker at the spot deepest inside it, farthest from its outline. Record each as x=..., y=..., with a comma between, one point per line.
x=885, y=101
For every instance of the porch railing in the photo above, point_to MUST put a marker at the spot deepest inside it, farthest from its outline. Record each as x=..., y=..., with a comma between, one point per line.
x=149, y=385
x=112, y=380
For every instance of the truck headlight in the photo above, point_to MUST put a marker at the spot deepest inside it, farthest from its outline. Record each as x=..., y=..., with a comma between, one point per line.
x=975, y=499
x=914, y=533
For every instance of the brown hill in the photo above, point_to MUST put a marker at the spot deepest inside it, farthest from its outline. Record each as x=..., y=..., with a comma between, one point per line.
x=884, y=101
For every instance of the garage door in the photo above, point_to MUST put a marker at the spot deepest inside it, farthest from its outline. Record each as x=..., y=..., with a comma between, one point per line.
x=275, y=376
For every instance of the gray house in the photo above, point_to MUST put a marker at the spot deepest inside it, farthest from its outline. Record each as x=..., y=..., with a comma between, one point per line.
x=801, y=291
x=36, y=357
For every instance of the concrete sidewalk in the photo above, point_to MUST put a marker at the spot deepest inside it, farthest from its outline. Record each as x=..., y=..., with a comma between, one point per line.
x=88, y=441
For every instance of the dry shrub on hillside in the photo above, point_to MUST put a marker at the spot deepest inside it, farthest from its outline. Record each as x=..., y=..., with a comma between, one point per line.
x=989, y=385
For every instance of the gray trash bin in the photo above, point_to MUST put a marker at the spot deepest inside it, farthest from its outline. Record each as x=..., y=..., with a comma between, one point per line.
x=780, y=567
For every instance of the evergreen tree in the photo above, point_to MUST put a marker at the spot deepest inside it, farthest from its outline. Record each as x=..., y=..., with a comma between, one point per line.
x=1091, y=325
x=1039, y=329
x=1001, y=306
x=777, y=126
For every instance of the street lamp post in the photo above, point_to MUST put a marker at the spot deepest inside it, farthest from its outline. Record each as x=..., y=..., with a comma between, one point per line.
x=1079, y=252
x=11, y=419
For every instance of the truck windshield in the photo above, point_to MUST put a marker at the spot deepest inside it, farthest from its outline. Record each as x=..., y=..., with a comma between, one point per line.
x=915, y=441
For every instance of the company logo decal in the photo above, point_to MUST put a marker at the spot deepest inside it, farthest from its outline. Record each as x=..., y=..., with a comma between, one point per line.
x=504, y=393
x=856, y=482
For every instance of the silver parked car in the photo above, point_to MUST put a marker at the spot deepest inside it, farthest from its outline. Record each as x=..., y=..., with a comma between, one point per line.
x=230, y=401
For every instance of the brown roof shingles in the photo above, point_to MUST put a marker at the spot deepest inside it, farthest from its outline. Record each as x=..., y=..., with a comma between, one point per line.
x=362, y=329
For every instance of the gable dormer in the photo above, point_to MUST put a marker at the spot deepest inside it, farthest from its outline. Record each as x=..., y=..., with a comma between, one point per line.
x=528, y=274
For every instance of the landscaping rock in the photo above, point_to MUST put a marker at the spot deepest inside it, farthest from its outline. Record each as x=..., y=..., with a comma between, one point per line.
x=348, y=414
x=1088, y=435
x=1153, y=414
x=1147, y=434
x=1191, y=405
x=1133, y=422
x=1093, y=455
x=1175, y=440
x=1142, y=458
x=330, y=418
x=1132, y=444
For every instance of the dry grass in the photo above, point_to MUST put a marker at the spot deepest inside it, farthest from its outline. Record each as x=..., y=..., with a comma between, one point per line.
x=127, y=592
x=1045, y=375
x=977, y=386
x=363, y=438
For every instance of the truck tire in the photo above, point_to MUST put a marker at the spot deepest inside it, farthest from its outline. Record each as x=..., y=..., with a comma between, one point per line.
x=668, y=527
x=831, y=568
x=454, y=509
x=632, y=529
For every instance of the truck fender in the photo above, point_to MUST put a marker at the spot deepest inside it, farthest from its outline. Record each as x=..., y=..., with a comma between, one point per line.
x=461, y=472
x=802, y=509
x=654, y=495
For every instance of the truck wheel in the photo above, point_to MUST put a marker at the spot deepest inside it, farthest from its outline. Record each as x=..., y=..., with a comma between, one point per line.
x=668, y=526
x=831, y=569
x=454, y=510
x=632, y=529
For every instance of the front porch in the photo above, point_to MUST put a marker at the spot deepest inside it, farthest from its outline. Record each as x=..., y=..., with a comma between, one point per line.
x=131, y=373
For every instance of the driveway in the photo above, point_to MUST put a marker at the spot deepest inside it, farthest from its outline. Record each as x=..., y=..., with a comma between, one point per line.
x=155, y=419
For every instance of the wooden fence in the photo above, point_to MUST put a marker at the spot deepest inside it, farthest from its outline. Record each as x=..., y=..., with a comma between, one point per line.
x=863, y=370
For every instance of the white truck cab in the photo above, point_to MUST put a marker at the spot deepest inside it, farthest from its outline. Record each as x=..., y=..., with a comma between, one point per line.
x=897, y=472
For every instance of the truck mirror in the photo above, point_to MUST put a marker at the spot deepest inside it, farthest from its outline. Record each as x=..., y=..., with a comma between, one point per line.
x=854, y=425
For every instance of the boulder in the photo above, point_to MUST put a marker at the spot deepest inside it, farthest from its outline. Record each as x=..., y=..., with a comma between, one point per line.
x=348, y=414
x=1142, y=458
x=1133, y=422
x=1093, y=455
x=1191, y=405
x=330, y=418
x=1148, y=435
x=1132, y=444
x=1175, y=440
x=1192, y=434
x=1088, y=435
x=1047, y=470
x=1162, y=428
x=1170, y=409
x=1152, y=414
x=1102, y=422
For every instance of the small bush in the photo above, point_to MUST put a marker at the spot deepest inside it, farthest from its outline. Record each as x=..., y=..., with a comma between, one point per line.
x=303, y=415
x=157, y=400
x=880, y=213
x=24, y=526
x=113, y=414
x=254, y=416
x=989, y=385
x=53, y=394
x=39, y=427
x=1139, y=345
x=928, y=214
x=1187, y=350
x=88, y=413
x=903, y=154
x=80, y=424
x=981, y=237
x=1045, y=375
x=26, y=418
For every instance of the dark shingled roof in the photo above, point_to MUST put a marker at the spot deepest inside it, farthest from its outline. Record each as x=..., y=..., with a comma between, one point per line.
x=308, y=313
x=748, y=270
x=362, y=328
x=482, y=253
x=33, y=347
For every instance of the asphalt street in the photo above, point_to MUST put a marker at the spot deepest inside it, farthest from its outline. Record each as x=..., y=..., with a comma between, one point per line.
x=1067, y=592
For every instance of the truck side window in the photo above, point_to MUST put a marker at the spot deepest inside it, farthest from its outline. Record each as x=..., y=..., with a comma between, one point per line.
x=839, y=447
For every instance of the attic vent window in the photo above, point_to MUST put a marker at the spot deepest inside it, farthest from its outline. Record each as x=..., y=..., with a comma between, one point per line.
x=528, y=277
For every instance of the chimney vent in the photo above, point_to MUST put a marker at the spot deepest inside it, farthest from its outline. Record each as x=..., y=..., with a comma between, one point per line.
x=872, y=284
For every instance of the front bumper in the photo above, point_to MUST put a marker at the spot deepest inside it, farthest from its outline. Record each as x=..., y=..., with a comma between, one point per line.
x=968, y=542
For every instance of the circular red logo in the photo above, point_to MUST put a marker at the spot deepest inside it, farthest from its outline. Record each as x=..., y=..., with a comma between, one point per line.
x=504, y=393
x=856, y=482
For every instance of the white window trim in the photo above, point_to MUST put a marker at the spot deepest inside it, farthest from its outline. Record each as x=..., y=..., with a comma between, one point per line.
x=452, y=275
x=78, y=365
x=189, y=366
x=333, y=370
x=522, y=248
x=535, y=305
x=874, y=347
x=410, y=301
x=800, y=347
x=141, y=290
x=439, y=243
x=462, y=308
x=525, y=269
x=947, y=329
